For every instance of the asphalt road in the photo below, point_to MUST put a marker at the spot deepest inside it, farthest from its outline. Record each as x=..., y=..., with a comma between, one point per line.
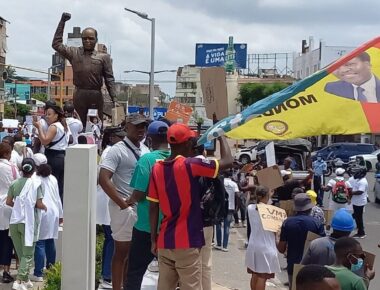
x=229, y=269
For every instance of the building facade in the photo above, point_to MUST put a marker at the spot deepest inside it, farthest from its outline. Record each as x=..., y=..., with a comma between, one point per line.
x=3, y=52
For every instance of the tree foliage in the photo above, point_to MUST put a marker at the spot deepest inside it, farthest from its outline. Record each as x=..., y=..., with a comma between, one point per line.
x=253, y=92
x=9, y=110
x=40, y=97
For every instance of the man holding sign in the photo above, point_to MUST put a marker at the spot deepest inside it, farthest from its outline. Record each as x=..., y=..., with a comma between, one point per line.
x=294, y=231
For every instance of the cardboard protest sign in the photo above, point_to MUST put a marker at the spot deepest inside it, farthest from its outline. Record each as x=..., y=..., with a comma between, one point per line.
x=92, y=112
x=214, y=90
x=309, y=238
x=369, y=259
x=271, y=217
x=270, y=177
x=288, y=206
x=179, y=112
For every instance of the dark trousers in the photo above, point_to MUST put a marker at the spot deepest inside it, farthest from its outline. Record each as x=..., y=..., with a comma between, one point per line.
x=140, y=256
x=248, y=228
x=358, y=216
x=56, y=159
x=88, y=99
x=317, y=181
x=6, y=248
x=239, y=206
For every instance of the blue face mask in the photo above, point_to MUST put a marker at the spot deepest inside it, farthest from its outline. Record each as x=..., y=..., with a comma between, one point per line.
x=359, y=264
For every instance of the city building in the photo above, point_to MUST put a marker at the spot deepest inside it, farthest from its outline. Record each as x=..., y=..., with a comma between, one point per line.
x=3, y=52
x=313, y=59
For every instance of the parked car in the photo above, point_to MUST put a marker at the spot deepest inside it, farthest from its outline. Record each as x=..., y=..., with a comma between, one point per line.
x=343, y=151
x=246, y=155
x=367, y=160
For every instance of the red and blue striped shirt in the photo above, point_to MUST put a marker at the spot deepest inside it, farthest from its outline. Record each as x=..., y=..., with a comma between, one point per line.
x=174, y=185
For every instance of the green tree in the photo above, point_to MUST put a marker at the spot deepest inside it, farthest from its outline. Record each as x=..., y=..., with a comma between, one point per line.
x=40, y=97
x=253, y=92
x=9, y=110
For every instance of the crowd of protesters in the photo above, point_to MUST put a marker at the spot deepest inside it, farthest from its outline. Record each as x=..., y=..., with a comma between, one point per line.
x=163, y=204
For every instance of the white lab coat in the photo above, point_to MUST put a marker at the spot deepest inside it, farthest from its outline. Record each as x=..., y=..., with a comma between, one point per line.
x=50, y=218
x=24, y=209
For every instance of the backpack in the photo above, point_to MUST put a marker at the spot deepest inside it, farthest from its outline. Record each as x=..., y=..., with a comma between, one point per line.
x=214, y=200
x=340, y=192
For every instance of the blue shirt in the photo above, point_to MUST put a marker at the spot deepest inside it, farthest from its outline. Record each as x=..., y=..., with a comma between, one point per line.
x=319, y=167
x=294, y=232
x=2, y=135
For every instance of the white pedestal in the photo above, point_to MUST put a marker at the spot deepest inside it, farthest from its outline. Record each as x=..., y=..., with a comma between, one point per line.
x=79, y=236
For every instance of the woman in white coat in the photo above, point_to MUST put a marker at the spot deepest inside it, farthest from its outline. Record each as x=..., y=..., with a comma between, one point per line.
x=8, y=173
x=50, y=220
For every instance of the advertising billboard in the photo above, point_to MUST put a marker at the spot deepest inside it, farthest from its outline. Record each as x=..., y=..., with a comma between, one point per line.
x=214, y=54
x=18, y=91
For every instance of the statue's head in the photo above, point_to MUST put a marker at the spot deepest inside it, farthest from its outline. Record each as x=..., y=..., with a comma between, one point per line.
x=89, y=38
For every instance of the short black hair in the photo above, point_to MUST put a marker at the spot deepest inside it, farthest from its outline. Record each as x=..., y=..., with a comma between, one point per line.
x=345, y=245
x=82, y=139
x=364, y=56
x=44, y=170
x=18, y=137
x=68, y=107
x=311, y=274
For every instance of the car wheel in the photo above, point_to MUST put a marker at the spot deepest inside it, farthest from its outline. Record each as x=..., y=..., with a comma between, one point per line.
x=368, y=165
x=245, y=159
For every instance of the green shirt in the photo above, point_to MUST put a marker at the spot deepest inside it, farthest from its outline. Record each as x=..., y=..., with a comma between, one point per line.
x=347, y=279
x=140, y=182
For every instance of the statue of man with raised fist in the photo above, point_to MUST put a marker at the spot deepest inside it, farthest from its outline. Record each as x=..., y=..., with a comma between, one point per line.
x=90, y=67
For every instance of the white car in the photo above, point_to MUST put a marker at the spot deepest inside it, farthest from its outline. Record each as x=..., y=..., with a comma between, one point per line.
x=369, y=160
x=246, y=155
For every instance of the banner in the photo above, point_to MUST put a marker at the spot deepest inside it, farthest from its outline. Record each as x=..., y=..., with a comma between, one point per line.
x=179, y=112
x=214, y=90
x=271, y=217
x=343, y=98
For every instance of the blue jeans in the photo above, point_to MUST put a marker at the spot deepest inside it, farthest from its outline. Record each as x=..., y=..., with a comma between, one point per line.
x=107, y=254
x=44, y=248
x=226, y=230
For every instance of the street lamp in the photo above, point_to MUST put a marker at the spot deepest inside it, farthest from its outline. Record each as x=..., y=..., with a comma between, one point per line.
x=152, y=44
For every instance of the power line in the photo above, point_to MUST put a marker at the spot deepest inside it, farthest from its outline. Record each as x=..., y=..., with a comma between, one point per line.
x=147, y=81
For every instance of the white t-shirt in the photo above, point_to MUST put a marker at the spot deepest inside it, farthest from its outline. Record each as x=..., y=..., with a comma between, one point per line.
x=121, y=161
x=231, y=188
x=76, y=127
x=332, y=204
x=359, y=185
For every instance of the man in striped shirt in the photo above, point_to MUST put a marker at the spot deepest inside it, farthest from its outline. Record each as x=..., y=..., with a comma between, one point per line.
x=175, y=189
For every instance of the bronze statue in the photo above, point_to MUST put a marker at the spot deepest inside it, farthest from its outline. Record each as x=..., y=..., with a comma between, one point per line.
x=90, y=67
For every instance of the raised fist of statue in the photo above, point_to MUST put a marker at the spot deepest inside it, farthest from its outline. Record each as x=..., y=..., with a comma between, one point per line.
x=65, y=16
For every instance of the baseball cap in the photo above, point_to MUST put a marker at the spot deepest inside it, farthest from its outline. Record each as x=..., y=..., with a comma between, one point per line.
x=116, y=130
x=136, y=119
x=302, y=202
x=179, y=133
x=340, y=171
x=342, y=221
x=157, y=128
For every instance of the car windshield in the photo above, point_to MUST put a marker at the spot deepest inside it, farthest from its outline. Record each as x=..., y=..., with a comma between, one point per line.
x=376, y=152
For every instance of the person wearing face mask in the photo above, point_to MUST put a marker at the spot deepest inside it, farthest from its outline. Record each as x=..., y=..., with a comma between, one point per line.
x=319, y=167
x=350, y=258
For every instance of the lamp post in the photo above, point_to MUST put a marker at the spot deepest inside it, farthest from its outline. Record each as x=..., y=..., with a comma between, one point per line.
x=151, y=99
x=152, y=48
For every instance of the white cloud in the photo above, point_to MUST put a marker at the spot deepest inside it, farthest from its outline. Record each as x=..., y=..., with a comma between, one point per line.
x=265, y=25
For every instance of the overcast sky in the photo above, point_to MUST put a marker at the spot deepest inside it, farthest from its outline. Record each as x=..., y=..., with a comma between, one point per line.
x=265, y=25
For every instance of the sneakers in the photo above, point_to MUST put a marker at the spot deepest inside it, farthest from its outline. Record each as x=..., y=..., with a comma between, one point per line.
x=23, y=286
x=16, y=285
x=243, y=224
x=28, y=284
x=153, y=266
x=357, y=236
x=224, y=249
x=106, y=284
x=36, y=278
x=7, y=278
x=218, y=247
